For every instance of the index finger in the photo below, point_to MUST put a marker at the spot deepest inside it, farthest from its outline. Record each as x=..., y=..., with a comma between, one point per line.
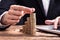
x=56, y=23
x=22, y=8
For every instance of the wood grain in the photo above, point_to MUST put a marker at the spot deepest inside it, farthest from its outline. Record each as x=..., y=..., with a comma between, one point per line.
x=11, y=34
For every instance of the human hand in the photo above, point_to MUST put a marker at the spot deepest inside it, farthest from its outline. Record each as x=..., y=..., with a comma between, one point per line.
x=14, y=14
x=55, y=22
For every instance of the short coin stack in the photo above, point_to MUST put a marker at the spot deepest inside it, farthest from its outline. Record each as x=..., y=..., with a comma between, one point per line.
x=30, y=25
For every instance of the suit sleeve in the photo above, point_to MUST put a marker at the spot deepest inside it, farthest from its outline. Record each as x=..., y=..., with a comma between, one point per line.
x=5, y=4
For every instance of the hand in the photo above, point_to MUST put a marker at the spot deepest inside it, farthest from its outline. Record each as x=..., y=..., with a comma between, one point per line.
x=15, y=13
x=55, y=22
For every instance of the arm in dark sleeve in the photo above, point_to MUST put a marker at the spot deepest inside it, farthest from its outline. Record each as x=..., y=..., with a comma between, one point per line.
x=4, y=6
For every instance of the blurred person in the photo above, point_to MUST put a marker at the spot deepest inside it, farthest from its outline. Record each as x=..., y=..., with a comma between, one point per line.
x=16, y=11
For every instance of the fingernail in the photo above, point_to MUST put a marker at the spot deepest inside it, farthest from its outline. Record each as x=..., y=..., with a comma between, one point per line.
x=33, y=9
x=22, y=13
x=55, y=28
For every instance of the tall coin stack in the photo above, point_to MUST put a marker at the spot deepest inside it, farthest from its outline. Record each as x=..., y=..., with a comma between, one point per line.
x=30, y=25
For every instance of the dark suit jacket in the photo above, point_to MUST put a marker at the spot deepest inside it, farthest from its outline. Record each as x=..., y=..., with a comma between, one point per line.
x=53, y=12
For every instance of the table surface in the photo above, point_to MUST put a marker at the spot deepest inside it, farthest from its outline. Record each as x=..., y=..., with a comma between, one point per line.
x=13, y=33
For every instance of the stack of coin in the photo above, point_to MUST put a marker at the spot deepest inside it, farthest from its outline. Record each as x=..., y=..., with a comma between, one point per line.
x=33, y=23
x=30, y=25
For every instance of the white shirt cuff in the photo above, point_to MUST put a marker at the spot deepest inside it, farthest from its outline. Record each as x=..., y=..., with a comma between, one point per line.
x=1, y=18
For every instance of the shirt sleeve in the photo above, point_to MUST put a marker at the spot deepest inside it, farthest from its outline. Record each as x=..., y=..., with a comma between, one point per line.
x=3, y=14
x=3, y=27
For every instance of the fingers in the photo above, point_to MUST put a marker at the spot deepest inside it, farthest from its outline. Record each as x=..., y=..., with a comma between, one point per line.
x=49, y=22
x=8, y=19
x=22, y=8
x=56, y=22
x=11, y=22
x=17, y=13
x=12, y=17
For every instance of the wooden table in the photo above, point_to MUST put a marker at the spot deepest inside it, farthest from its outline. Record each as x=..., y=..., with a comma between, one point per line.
x=12, y=34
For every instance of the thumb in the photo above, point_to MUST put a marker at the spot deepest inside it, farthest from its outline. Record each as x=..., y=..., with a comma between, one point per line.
x=49, y=22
